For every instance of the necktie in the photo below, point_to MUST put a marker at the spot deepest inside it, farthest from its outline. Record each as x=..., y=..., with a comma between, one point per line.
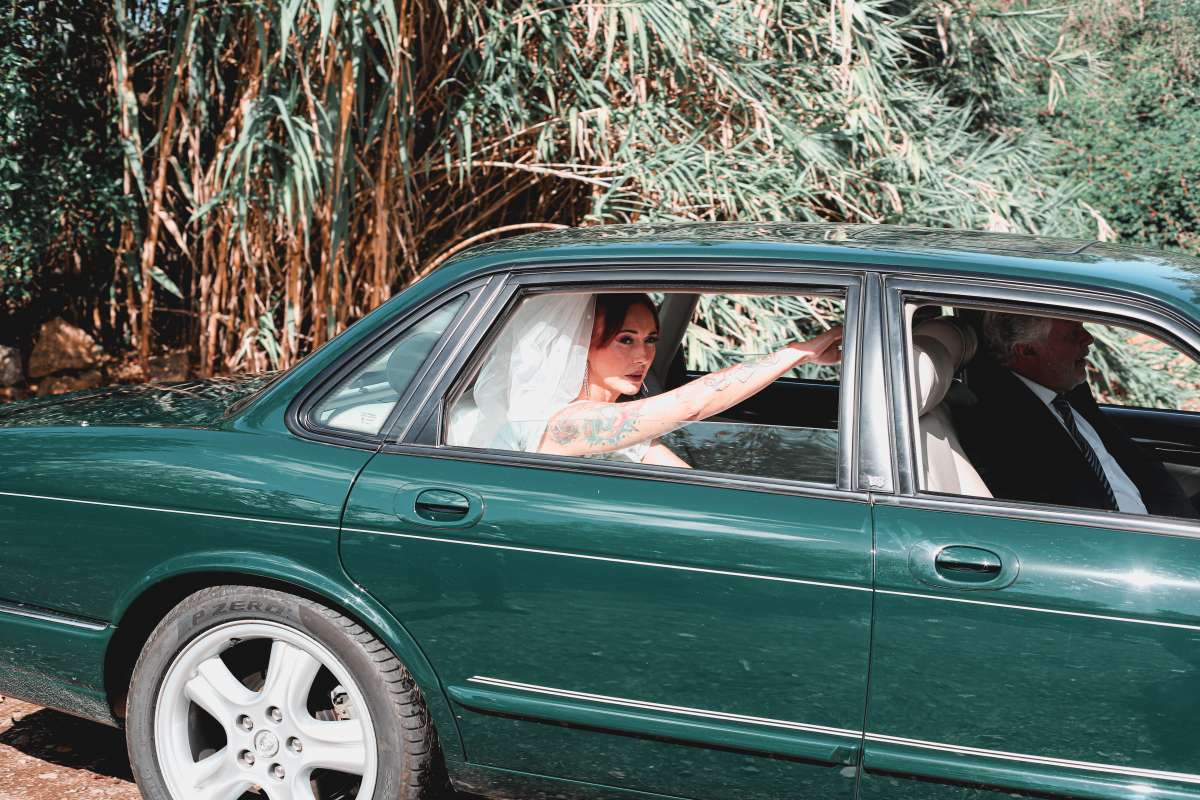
x=1089, y=455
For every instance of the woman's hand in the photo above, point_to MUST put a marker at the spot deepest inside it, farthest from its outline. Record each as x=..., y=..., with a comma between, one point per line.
x=822, y=349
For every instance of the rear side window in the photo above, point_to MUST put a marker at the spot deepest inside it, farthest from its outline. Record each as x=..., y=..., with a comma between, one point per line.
x=633, y=384
x=362, y=402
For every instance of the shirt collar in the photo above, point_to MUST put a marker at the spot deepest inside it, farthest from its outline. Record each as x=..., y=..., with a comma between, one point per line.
x=1045, y=395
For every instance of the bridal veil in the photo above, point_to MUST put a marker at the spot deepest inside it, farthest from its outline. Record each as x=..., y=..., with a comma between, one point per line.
x=534, y=368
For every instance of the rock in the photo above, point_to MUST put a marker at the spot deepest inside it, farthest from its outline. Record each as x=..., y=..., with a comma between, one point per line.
x=10, y=366
x=57, y=384
x=61, y=346
x=170, y=366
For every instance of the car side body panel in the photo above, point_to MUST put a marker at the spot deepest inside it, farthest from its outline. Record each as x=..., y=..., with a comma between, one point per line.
x=94, y=510
x=629, y=632
x=54, y=661
x=1081, y=670
x=99, y=516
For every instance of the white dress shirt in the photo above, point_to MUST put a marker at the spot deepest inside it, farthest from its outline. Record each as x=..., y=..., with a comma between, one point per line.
x=1129, y=499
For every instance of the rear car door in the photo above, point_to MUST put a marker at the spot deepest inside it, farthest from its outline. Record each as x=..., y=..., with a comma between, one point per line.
x=619, y=625
x=1024, y=649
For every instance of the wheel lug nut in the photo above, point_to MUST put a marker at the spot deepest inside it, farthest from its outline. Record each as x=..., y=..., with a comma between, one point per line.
x=277, y=771
x=294, y=745
x=275, y=714
x=246, y=758
x=245, y=723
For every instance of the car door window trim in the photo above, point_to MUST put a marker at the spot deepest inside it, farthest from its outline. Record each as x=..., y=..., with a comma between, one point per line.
x=901, y=290
x=703, y=277
x=298, y=414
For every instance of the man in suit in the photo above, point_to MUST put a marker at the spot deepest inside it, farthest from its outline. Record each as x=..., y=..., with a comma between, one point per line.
x=1037, y=434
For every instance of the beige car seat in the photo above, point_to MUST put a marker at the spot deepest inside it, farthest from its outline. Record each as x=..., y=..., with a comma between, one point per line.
x=940, y=347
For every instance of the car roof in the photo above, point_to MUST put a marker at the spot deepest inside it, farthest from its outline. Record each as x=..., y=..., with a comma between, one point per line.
x=1170, y=277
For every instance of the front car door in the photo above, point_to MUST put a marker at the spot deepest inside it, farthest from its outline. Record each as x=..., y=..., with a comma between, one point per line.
x=1068, y=667
x=682, y=632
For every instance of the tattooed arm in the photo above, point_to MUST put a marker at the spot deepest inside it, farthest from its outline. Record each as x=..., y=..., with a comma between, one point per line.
x=591, y=427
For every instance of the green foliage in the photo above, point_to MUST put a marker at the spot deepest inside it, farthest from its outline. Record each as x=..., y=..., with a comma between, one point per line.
x=59, y=192
x=274, y=168
x=1134, y=139
x=801, y=110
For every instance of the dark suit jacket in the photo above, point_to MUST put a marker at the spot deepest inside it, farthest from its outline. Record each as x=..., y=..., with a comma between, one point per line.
x=1023, y=452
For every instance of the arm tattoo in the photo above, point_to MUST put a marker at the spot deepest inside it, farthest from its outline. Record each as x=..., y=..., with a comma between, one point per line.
x=602, y=425
x=564, y=431
x=720, y=380
x=609, y=425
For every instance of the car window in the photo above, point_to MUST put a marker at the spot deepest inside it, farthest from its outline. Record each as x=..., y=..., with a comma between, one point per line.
x=1135, y=369
x=362, y=402
x=782, y=425
x=1032, y=407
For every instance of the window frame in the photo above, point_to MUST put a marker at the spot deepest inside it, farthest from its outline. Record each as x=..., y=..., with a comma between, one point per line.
x=422, y=436
x=1130, y=312
x=299, y=415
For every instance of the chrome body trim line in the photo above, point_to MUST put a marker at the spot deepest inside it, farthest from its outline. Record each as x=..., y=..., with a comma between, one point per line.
x=49, y=616
x=105, y=504
x=1060, y=612
x=1112, y=769
x=609, y=559
x=1133, y=523
x=643, y=705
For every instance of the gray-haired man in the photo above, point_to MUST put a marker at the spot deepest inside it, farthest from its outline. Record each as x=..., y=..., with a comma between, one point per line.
x=1037, y=435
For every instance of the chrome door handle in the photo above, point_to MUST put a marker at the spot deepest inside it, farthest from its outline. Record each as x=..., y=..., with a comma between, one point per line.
x=950, y=564
x=966, y=563
x=438, y=506
x=968, y=559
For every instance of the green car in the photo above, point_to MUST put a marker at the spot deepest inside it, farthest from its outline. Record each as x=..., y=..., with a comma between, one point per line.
x=866, y=578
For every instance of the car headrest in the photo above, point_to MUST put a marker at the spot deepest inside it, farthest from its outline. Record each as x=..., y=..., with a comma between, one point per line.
x=407, y=358
x=940, y=347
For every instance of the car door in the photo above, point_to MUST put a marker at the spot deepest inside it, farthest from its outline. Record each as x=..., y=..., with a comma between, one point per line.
x=618, y=625
x=1027, y=649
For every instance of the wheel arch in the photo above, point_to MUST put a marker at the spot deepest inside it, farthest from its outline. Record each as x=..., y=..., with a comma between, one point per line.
x=142, y=607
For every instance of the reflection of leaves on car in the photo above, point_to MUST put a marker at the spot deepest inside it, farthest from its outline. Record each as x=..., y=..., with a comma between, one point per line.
x=773, y=451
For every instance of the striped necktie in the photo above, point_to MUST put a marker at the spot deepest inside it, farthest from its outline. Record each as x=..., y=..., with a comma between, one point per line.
x=1089, y=455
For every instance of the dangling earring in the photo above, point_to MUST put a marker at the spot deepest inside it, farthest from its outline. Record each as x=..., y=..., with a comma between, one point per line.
x=587, y=384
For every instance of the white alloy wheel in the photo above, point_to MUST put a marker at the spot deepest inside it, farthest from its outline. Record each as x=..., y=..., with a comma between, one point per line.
x=257, y=706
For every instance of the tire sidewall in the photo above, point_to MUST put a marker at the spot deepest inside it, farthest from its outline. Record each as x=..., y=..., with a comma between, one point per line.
x=211, y=608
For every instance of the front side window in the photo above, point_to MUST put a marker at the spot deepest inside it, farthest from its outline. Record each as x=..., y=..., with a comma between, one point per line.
x=362, y=401
x=1024, y=405
x=741, y=384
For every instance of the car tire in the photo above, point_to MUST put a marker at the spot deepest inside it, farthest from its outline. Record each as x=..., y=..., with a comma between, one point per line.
x=241, y=688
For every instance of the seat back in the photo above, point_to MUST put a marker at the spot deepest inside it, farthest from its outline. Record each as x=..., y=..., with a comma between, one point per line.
x=940, y=347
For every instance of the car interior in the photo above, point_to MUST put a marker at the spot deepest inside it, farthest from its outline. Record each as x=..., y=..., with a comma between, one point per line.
x=944, y=346
x=788, y=430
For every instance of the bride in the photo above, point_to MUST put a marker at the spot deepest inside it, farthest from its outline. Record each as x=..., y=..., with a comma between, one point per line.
x=552, y=381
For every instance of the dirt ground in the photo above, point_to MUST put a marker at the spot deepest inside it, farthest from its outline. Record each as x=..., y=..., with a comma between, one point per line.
x=45, y=755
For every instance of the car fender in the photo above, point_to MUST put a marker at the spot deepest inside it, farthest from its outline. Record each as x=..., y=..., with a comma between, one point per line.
x=339, y=593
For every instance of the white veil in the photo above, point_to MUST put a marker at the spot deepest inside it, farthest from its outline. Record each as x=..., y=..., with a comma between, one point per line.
x=534, y=369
